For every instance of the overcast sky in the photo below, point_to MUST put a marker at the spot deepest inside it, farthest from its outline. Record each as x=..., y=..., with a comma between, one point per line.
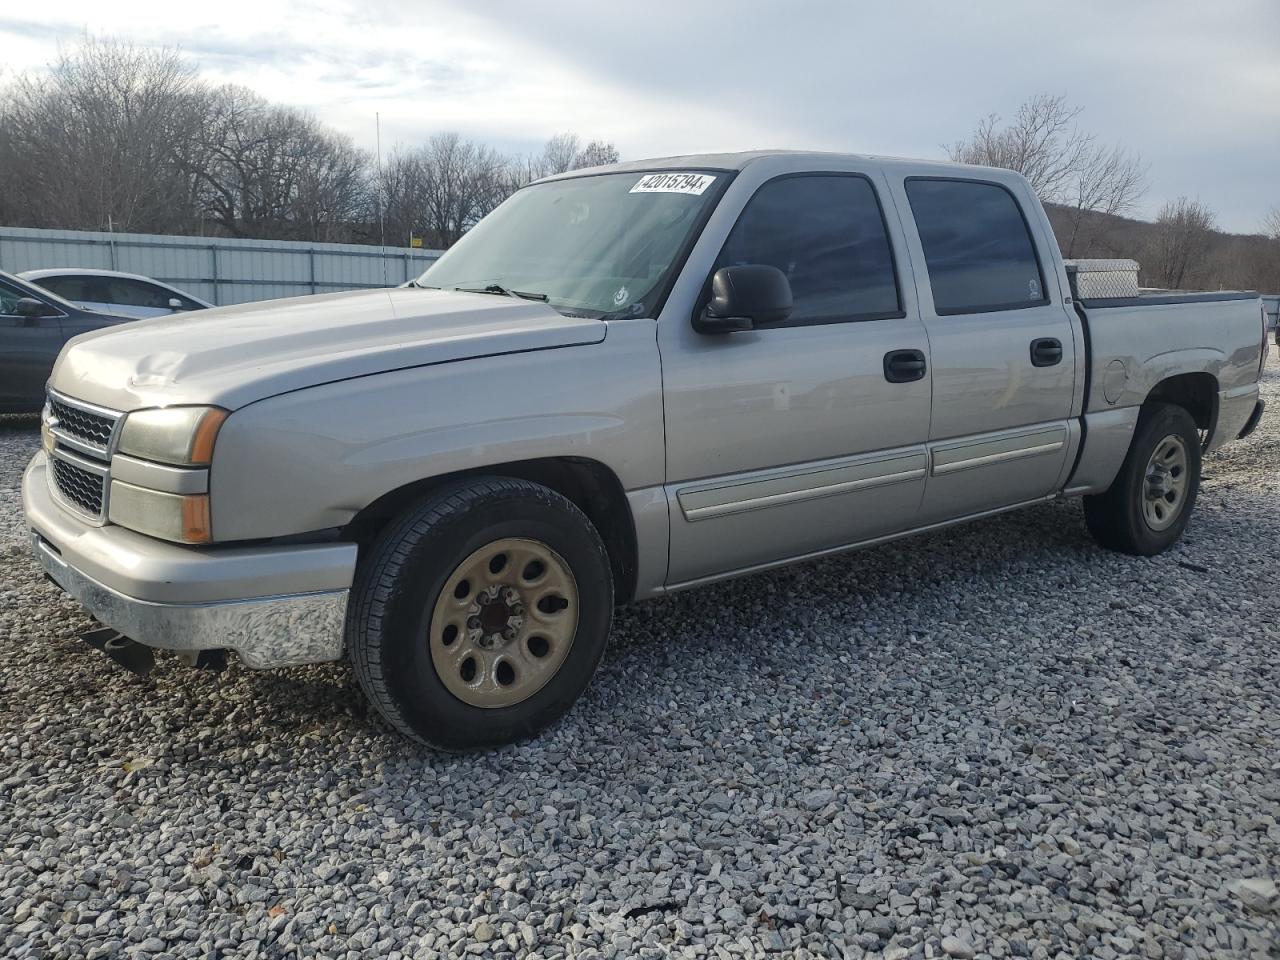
x=1194, y=86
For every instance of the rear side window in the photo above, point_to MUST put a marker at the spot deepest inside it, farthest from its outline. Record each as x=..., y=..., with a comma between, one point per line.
x=827, y=234
x=977, y=246
x=135, y=293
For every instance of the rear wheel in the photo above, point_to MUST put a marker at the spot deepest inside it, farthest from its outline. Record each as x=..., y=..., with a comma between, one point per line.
x=480, y=616
x=1150, y=501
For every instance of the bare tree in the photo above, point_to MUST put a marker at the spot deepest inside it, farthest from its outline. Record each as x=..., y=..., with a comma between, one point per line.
x=404, y=195
x=97, y=141
x=1064, y=165
x=597, y=153
x=1184, y=232
x=1041, y=142
x=276, y=172
x=562, y=153
x=1271, y=224
x=463, y=181
x=1109, y=182
x=558, y=155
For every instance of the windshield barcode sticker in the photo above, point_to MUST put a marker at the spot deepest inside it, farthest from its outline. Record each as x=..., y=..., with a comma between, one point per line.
x=694, y=183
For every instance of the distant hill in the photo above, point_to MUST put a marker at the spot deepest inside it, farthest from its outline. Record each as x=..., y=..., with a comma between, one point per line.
x=1230, y=261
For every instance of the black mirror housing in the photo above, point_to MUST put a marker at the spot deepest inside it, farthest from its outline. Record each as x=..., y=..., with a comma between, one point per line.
x=743, y=297
x=30, y=308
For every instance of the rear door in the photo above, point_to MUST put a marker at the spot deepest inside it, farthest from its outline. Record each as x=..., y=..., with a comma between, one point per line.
x=1002, y=345
x=790, y=439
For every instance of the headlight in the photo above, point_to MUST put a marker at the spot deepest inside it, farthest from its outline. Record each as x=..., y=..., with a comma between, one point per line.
x=179, y=435
x=149, y=499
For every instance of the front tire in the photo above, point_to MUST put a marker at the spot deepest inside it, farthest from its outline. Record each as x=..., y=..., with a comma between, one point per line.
x=1150, y=501
x=480, y=615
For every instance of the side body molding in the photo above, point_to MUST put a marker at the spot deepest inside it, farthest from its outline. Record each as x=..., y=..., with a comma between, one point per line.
x=794, y=484
x=953, y=456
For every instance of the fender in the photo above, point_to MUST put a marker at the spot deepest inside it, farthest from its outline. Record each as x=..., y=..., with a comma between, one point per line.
x=312, y=459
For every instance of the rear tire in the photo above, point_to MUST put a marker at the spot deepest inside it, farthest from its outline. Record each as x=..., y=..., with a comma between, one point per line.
x=1150, y=501
x=479, y=617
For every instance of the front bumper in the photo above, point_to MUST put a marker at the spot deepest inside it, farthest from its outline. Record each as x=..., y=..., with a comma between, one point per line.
x=274, y=606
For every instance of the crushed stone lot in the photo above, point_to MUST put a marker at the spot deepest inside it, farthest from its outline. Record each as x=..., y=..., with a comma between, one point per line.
x=993, y=741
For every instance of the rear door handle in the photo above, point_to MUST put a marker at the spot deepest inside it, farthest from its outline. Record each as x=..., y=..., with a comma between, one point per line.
x=904, y=366
x=1046, y=352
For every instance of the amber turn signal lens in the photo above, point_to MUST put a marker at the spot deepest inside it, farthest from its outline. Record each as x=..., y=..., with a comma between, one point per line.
x=196, y=527
x=205, y=435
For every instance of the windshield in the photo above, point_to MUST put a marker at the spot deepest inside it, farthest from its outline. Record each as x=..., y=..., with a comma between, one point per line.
x=598, y=246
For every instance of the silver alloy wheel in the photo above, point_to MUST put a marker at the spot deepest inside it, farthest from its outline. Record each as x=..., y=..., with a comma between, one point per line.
x=504, y=622
x=1164, y=485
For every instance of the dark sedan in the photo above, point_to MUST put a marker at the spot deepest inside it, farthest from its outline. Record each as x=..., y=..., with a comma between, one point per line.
x=34, y=324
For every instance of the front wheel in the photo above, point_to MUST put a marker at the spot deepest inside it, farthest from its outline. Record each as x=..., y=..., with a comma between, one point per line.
x=1150, y=501
x=479, y=617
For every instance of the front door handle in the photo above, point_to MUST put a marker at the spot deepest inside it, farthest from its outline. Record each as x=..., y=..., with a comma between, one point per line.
x=1046, y=352
x=904, y=366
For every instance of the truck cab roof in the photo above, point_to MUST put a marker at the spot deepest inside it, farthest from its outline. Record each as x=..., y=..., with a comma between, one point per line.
x=791, y=159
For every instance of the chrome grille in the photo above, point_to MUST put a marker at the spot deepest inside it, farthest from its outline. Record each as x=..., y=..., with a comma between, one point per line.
x=80, y=443
x=82, y=487
x=87, y=426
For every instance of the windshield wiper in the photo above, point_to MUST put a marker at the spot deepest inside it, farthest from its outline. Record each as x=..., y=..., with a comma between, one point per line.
x=504, y=292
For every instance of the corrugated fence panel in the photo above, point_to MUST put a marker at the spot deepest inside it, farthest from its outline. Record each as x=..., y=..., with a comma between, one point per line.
x=217, y=269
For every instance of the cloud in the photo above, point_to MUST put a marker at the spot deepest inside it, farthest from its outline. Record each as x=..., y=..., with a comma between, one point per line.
x=1193, y=87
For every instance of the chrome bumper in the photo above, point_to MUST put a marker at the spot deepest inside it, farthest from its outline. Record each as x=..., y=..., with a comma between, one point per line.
x=274, y=606
x=264, y=632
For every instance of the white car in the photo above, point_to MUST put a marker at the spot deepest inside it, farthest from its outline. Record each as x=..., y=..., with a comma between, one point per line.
x=108, y=291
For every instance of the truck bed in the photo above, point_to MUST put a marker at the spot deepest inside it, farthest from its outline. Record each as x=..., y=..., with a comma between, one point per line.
x=1138, y=342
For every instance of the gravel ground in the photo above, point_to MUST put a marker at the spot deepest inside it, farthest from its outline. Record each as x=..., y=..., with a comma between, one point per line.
x=994, y=741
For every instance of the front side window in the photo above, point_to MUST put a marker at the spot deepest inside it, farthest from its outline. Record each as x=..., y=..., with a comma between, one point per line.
x=595, y=246
x=977, y=247
x=827, y=234
x=9, y=297
x=85, y=289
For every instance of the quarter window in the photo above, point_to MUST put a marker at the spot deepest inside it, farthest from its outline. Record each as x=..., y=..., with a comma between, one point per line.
x=828, y=235
x=977, y=247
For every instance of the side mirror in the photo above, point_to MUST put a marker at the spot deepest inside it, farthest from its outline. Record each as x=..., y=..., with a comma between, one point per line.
x=743, y=297
x=29, y=308
x=175, y=304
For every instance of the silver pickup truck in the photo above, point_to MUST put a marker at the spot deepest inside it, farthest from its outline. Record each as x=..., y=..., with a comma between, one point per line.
x=624, y=381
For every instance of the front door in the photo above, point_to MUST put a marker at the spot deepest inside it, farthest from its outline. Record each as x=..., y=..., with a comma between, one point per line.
x=1003, y=349
x=790, y=439
x=28, y=348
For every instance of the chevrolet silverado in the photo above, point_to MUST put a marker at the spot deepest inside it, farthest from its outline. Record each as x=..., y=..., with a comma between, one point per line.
x=624, y=381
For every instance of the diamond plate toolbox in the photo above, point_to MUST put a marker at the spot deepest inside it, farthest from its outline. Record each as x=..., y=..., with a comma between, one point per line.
x=1102, y=279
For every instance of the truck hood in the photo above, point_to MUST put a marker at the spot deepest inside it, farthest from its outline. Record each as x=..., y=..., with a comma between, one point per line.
x=232, y=356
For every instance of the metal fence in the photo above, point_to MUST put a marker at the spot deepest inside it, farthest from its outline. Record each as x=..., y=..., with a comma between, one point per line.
x=217, y=269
